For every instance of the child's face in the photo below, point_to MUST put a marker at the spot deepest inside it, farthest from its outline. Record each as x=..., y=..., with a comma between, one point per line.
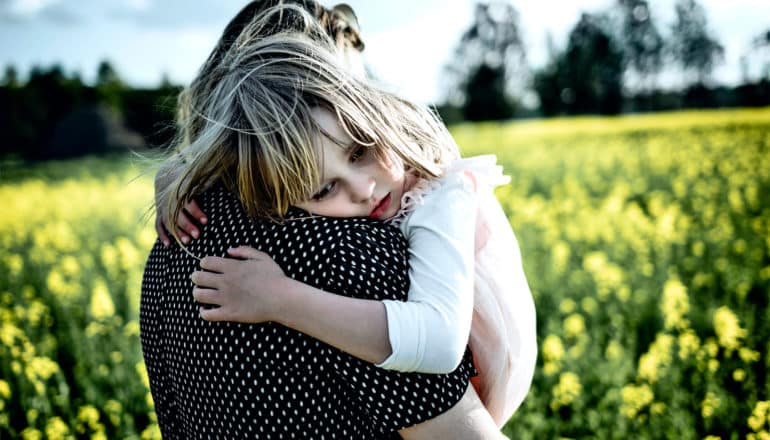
x=354, y=182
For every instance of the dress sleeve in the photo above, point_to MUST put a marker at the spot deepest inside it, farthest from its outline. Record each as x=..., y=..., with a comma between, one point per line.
x=429, y=332
x=151, y=329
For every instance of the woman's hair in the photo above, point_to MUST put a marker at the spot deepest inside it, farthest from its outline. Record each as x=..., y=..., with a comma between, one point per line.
x=257, y=135
x=340, y=23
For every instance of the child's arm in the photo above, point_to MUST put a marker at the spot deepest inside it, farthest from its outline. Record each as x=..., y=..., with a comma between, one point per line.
x=430, y=330
x=254, y=289
x=429, y=333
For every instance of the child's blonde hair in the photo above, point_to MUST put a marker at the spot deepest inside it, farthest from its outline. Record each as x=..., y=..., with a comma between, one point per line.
x=258, y=134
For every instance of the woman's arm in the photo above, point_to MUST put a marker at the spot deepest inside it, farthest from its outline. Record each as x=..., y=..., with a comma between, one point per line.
x=169, y=170
x=467, y=420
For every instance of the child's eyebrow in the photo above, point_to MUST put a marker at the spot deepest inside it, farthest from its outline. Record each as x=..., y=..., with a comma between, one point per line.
x=339, y=142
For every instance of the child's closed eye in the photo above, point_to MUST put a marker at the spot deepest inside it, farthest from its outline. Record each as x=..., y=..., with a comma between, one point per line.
x=358, y=152
x=324, y=191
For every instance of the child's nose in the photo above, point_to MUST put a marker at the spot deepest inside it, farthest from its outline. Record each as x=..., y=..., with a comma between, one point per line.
x=362, y=188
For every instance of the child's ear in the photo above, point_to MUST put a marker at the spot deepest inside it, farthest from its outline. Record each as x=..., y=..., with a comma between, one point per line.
x=349, y=14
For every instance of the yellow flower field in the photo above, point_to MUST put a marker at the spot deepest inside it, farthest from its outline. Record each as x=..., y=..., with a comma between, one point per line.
x=646, y=241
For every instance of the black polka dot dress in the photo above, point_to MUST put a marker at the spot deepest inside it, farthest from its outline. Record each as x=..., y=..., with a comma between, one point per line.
x=230, y=381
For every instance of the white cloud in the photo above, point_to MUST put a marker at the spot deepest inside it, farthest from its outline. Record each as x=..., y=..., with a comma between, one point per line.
x=138, y=5
x=27, y=8
x=409, y=56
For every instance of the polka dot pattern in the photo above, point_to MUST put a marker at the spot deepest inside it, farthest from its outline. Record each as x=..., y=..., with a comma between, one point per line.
x=230, y=380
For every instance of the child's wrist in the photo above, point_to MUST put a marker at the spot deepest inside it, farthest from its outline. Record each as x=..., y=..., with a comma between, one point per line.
x=284, y=299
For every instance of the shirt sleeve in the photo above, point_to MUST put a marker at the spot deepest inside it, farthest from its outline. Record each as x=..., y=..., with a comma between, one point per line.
x=429, y=332
x=370, y=262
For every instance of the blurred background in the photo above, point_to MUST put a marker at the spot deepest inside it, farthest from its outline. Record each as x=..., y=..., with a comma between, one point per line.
x=116, y=67
x=636, y=134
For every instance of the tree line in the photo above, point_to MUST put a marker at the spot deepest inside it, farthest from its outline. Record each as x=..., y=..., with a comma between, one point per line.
x=611, y=63
x=56, y=115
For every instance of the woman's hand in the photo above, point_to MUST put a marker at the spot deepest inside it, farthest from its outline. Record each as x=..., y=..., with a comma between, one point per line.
x=185, y=226
x=246, y=289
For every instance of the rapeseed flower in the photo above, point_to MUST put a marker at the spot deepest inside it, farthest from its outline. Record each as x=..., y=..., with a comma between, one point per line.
x=152, y=432
x=42, y=367
x=566, y=391
x=101, y=306
x=88, y=416
x=31, y=434
x=675, y=304
x=553, y=349
x=709, y=405
x=635, y=398
x=748, y=355
x=728, y=329
x=759, y=415
x=5, y=390
x=689, y=343
x=56, y=429
x=657, y=358
x=567, y=305
x=574, y=326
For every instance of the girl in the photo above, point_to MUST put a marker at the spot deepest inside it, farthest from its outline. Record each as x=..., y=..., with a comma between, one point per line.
x=341, y=25
x=364, y=152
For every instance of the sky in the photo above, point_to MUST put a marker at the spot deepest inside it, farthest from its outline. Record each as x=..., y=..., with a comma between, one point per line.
x=407, y=41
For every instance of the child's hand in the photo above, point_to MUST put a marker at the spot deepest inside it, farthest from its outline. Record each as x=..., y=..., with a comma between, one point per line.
x=247, y=289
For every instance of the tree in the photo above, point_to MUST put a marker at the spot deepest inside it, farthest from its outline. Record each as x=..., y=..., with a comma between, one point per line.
x=588, y=76
x=483, y=102
x=10, y=77
x=692, y=45
x=641, y=42
x=490, y=56
x=106, y=74
x=109, y=86
x=758, y=58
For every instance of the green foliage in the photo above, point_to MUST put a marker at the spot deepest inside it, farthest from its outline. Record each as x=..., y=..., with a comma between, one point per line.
x=74, y=243
x=587, y=76
x=693, y=46
x=55, y=115
x=486, y=99
x=646, y=241
x=488, y=72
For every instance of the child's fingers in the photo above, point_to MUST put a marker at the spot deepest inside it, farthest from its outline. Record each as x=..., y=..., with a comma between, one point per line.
x=215, y=314
x=214, y=264
x=247, y=253
x=207, y=296
x=196, y=212
x=205, y=279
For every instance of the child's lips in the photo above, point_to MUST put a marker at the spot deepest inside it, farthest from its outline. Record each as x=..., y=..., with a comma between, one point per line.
x=379, y=210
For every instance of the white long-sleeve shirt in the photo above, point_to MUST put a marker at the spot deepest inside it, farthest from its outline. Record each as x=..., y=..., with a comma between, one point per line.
x=429, y=333
x=467, y=279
